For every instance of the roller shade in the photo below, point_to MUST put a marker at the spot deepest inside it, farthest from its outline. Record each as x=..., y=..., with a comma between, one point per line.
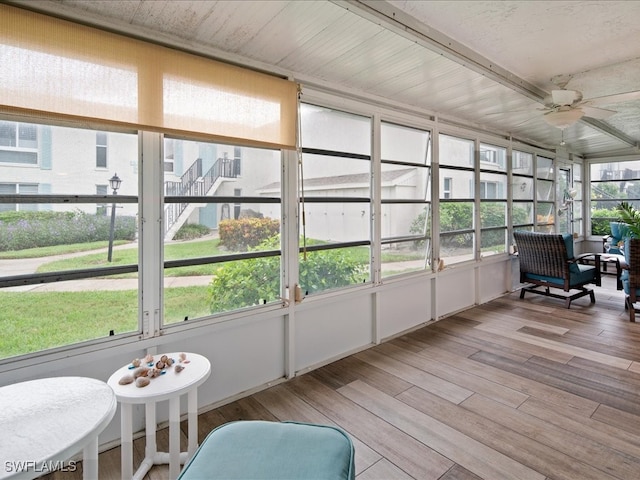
x=64, y=69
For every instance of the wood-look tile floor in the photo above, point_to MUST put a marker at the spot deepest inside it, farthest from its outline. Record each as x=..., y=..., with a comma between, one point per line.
x=512, y=389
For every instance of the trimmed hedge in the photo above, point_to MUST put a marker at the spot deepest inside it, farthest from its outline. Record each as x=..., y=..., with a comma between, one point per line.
x=245, y=233
x=22, y=230
x=189, y=231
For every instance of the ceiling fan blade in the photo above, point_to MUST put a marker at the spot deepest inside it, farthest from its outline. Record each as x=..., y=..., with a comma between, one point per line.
x=611, y=99
x=597, y=113
x=565, y=97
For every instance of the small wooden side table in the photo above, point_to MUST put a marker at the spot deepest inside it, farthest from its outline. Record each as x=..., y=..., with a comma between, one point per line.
x=168, y=386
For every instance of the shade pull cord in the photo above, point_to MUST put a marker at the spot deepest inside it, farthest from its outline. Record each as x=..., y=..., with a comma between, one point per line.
x=301, y=179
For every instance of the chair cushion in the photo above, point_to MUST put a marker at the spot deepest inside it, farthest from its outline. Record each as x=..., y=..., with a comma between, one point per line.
x=574, y=268
x=568, y=243
x=624, y=278
x=585, y=274
x=619, y=232
x=578, y=275
x=251, y=450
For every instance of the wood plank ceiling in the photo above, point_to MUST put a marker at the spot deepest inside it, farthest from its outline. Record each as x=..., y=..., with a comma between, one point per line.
x=487, y=64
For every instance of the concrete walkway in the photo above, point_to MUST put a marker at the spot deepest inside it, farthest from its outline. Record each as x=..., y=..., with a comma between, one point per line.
x=25, y=266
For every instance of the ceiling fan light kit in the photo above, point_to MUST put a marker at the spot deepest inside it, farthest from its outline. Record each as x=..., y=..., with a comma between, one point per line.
x=562, y=118
x=566, y=107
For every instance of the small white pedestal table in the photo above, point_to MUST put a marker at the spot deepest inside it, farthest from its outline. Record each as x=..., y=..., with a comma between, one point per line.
x=45, y=422
x=168, y=386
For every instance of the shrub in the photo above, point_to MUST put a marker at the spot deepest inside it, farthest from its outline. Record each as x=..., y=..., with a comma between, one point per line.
x=246, y=233
x=257, y=280
x=190, y=231
x=600, y=219
x=327, y=269
x=22, y=230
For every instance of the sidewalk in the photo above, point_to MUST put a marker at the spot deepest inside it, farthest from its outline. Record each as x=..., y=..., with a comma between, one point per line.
x=25, y=266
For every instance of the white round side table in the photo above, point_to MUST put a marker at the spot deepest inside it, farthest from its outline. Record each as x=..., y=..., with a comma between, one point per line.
x=45, y=422
x=168, y=386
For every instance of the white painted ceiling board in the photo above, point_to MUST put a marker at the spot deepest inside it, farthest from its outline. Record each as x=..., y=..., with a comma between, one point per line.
x=594, y=45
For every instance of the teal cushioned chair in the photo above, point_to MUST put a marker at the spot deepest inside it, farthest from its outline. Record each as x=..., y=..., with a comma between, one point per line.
x=631, y=276
x=256, y=450
x=619, y=233
x=547, y=261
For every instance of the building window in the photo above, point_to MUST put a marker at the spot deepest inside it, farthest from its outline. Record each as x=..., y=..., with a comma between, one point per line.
x=169, y=155
x=237, y=161
x=447, y=186
x=18, y=143
x=101, y=208
x=15, y=189
x=237, y=207
x=489, y=189
x=101, y=150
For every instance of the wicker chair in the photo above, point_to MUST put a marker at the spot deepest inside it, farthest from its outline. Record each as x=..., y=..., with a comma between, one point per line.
x=631, y=276
x=547, y=261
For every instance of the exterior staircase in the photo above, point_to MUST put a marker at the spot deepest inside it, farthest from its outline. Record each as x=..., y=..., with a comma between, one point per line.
x=193, y=183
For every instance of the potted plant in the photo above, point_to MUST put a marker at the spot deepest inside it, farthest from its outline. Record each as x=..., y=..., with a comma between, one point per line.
x=631, y=216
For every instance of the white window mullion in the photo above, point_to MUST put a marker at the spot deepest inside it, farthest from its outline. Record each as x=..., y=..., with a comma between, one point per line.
x=290, y=258
x=151, y=251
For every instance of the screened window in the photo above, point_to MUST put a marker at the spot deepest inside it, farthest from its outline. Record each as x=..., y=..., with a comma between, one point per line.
x=565, y=201
x=335, y=190
x=612, y=183
x=545, y=194
x=457, y=235
x=522, y=180
x=406, y=195
x=578, y=203
x=221, y=232
x=55, y=299
x=493, y=199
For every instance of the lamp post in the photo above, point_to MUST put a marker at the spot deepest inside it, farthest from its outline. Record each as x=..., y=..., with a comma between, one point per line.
x=114, y=183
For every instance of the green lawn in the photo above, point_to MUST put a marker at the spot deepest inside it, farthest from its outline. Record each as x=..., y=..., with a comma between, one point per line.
x=56, y=250
x=33, y=321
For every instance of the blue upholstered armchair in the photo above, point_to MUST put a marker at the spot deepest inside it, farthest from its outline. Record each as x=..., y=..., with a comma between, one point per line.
x=547, y=261
x=619, y=232
x=631, y=276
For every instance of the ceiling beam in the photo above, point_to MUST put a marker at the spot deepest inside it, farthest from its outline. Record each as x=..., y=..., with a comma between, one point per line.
x=609, y=130
x=387, y=16
x=393, y=19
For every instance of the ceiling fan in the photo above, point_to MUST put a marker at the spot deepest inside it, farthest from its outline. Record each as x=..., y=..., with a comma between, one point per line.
x=565, y=107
